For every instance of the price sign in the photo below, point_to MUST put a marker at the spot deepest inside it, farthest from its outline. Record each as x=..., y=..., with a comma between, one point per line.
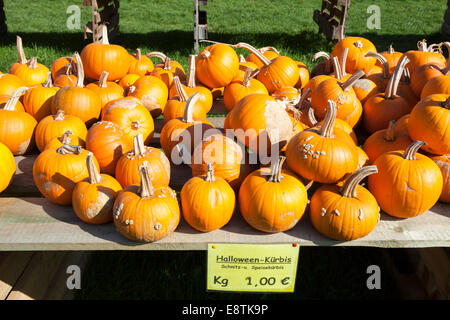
x=252, y=267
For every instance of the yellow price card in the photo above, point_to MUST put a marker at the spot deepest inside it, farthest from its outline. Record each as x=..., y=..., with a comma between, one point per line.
x=252, y=267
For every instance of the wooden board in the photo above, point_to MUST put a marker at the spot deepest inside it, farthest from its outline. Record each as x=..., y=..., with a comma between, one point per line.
x=37, y=224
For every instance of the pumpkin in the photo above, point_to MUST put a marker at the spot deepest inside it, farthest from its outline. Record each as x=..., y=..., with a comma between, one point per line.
x=140, y=64
x=436, y=85
x=392, y=57
x=304, y=75
x=103, y=56
x=324, y=67
x=404, y=89
x=422, y=75
x=186, y=130
x=175, y=106
x=55, y=126
x=268, y=52
x=363, y=158
x=237, y=90
x=168, y=69
x=38, y=100
x=345, y=212
x=386, y=140
x=429, y=121
x=4, y=100
x=364, y=89
x=106, y=90
x=78, y=101
x=407, y=183
x=380, y=79
x=322, y=154
x=127, y=81
x=422, y=56
x=271, y=199
x=243, y=65
x=380, y=109
x=228, y=158
x=146, y=213
x=61, y=66
x=191, y=87
x=402, y=123
x=66, y=138
x=207, y=202
x=132, y=117
x=287, y=94
x=7, y=167
x=107, y=141
x=20, y=53
x=127, y=172
x=217, y=65
x=57, y=171
x=443, y=163
x=152, y=92
x=32, y=72
x=314, y=83
x=261, y=123
x=93, y=198
x=9, y=83
x=358, y=47
x=349, y=107
x=279, y=72
x=67, y=79
x=17, y=127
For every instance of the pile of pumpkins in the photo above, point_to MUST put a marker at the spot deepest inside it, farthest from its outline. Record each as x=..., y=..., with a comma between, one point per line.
x=91, y=116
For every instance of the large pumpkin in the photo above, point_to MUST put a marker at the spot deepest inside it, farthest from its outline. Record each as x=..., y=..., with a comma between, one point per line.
x=7, y=167
x=272, y=199
x=144, y=212
x=345, y=212
x=407, y=183
x=103, y=56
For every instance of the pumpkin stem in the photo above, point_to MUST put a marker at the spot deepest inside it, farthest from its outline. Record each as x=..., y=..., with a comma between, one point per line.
x=65, y=138
x=138, y=54
x=348, y=190
x=189, y=107
x=105, y=39
x=10, y=105
x=248, y=76
x=102, y=82
x=94, y=175
x=191, y=78
x=157, y=54
x=391, y=89
x=352, y=80
x=422, y=45
x=269, y=48
x=182, y=95
x=48, y=82
x=32, y=63
x=406, y=76
x=146, y=189
x=446, y=103
x=303, y=98
x=69, y=149
x=59, y=115
x=382, y=60
x=410, y=152
x=210, y=174
x=167, y=64
x=390, y=132
x=344, y=61
x=391, y=49
x=20, y=52
x=242, y=59
x=326, y=130
x=80, y=71
x=138, y=143
x=275, y=173
x=337, y=68
x=312, y=117
x=256, y=52
x=326, y=56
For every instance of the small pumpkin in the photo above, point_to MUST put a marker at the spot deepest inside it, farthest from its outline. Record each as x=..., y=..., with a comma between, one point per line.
x=152, y=92
x=93, y=198
x=392, y=57
x=17, y=127
x=423, y=55
x=146, y=213
x=407, y=183
x=38, y=100
x=345, y=212
x=168, y=69
x=7, y=167
x=140, y=64
x=9, y=83
x=268, y=52
x=32, y=73
x=243, y=65
x=443, y=162
x=127, y=172
x=278, y=212
x=358, y=47
x=66, y=79
x=106, y=90
x=207, y=202
x=127, y=81
x=63, y=65
x=422, y=75
x=57, y=171
x=436, y=85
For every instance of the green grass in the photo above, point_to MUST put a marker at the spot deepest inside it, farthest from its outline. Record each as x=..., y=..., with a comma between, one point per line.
x=166, y=25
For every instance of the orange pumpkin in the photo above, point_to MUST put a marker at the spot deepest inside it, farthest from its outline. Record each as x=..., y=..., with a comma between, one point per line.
x=17, y=127
x=268, y=52
x=67, y=79
x=127, y=81
x=437, y=85
x=32, y=73
x=207, y=202
x=7, y=167
x=407, y=183
x=358, y=47
x=322, y=154
x=281, y=210
x=93, y=198
x=4, y=100
x=443, y=162
x=402, y=123
x=364, y=89
x=217, y=65
x=146, y=213
x=9, y=83
x=127, y=172
x=103, y=56
x=106, y=90
x=168, y=69
x=38, y=100
x=63, y=65
x=140, y=64
x=107, y=141
x=152, y=92
x=57, y=171
x=422, y=75
x=66, y=138
x=243, y=65
x=392, y=57
x=78, y=101
x=55, y=126
x=304, y=75
x=423, y=55
x=345, y=212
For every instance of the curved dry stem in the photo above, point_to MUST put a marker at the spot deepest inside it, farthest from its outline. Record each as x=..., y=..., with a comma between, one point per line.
x=157, y=54
x=191, y=78
x=422, y=45
x=391, y=49
x=392, y=87
x=80, y=71
x=14, y=97
x=138, y=144
x=413, y=148
x=105, y=39
x=48, y=82
x=20, y=52
x=326, y=130
x=390, y=132
x=348, y=190
x=269, y=48
x=303, y=99
x=344, y=61
x=352, y=80
x=312, y=117
x=94, y=175
x=382, y=60
x=69, y=149
x=249, y=74
x=337, y=68
x=189, y=107
x=32, y=63
x=102, y=83
x=182, y=95
x=59, y=116
x=256, y=52
x=210, y=174
x=138, y=54
x=275, y=172
x=65, y=138
x=242, y=59
x=146, y=188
